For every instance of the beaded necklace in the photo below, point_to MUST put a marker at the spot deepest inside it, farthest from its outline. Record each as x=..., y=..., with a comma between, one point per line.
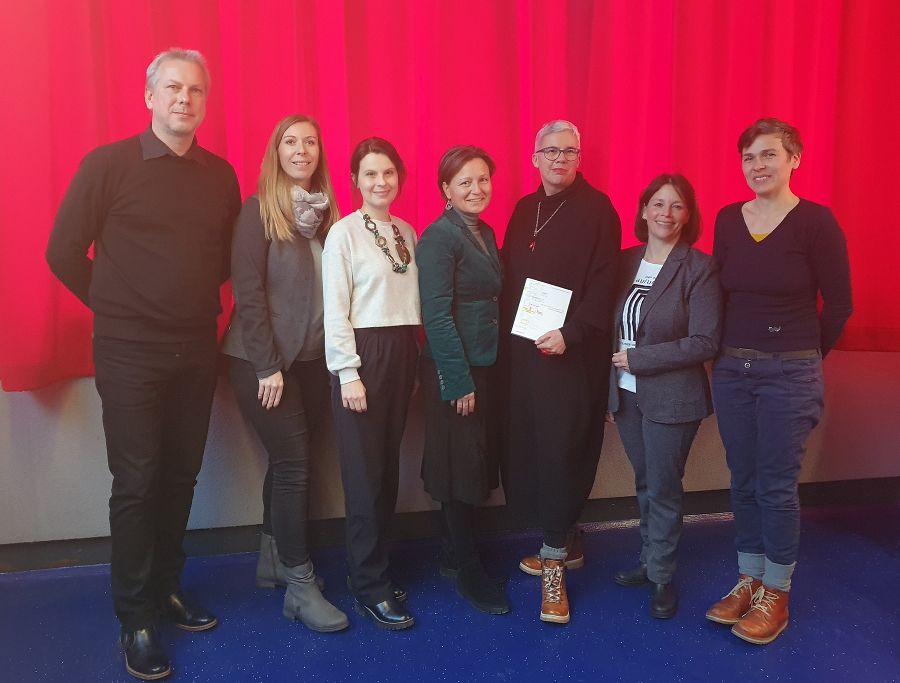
x=382, y=243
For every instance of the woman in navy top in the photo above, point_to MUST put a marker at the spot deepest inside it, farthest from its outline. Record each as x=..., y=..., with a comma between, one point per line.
x=778, y=253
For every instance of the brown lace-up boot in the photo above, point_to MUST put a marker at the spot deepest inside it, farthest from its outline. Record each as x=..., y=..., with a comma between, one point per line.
x=736, y=603
x=574, y=557
x=554, y=601
x=767, y=618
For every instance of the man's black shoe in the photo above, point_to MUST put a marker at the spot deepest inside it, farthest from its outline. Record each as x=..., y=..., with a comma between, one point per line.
x=144, y=654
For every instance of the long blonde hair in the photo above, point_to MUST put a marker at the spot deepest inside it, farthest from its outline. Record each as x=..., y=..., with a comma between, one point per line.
x=275, y=205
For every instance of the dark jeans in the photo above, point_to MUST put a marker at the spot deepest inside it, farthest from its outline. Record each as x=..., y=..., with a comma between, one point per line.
x=658, y=453
x=369, y=446
x=156, y=402
x=766, y=410
x=286, y=432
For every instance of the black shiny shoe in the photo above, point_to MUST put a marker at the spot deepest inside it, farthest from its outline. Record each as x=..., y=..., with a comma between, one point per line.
x=636, y=576
x=390, y=614
x=145, y=657
x=185, y=614
x=664, y=601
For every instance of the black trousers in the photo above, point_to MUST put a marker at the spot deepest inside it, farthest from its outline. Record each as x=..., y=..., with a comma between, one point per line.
x=156, y=401
x=369, y=445
x=286, y=432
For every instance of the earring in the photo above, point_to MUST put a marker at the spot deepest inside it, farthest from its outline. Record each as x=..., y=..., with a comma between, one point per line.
x=448, y=206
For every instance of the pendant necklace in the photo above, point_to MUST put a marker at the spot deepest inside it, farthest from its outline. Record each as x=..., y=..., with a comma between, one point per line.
x=543, y=225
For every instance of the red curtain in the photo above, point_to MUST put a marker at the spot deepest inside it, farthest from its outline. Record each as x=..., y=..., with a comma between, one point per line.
x=654, y=85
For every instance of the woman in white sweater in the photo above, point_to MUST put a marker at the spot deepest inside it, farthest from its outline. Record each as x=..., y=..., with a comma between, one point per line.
x=372, y=311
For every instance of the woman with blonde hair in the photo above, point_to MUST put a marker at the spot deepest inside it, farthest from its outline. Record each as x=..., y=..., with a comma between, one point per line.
x=276, y=344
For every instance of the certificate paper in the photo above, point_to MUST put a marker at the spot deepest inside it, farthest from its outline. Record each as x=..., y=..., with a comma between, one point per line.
x=542, y=308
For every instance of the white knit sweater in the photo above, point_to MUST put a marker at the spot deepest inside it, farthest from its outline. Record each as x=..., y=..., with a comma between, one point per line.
x=361, y=290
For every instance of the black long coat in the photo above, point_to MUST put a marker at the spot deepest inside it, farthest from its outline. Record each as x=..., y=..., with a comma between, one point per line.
x=556, y=404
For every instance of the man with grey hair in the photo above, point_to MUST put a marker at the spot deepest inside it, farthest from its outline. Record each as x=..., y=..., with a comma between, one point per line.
x=158, y=210
x=565, y=234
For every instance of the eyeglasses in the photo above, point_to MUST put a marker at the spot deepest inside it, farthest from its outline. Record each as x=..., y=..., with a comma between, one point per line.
x=552, y=153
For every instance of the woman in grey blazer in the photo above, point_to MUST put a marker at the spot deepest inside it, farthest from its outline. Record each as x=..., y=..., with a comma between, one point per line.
x=276, y=344
x=668, y=323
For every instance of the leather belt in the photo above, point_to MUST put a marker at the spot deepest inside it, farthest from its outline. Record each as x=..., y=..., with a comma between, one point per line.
x=753, y=354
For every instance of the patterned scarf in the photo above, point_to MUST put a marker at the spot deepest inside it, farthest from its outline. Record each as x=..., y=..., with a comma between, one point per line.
x=309, y=210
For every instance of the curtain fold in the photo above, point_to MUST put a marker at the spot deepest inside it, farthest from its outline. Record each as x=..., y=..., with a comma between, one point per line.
x=654, y=85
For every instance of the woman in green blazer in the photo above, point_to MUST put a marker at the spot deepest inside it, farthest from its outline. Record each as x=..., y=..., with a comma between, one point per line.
x=459, y=285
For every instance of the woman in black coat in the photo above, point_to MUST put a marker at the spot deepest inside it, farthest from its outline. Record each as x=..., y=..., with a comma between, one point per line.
x=667, y=320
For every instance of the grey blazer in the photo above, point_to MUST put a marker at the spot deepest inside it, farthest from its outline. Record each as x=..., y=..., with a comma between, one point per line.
x=272, y=283
x=679, y=329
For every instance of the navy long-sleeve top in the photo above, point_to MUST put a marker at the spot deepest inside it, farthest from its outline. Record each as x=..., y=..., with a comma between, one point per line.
x=772, y=287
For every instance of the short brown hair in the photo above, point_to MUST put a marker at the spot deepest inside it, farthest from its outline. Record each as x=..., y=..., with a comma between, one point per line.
x=691, y=230
x=377, y=146
x=457, y=157
x=789, y=136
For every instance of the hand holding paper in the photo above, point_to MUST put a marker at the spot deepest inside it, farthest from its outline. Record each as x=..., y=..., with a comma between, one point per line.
x=542, y=309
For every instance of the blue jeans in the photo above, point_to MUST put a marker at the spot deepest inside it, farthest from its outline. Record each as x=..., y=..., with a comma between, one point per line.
x=766, y=410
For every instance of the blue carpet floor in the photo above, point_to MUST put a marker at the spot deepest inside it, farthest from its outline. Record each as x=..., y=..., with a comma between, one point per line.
x=58, y=625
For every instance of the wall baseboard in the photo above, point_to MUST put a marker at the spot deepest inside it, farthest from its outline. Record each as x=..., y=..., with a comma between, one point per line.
x=418, y=525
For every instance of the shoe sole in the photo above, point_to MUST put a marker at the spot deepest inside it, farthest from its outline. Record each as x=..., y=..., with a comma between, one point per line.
x=632, y=583
x=664, y=615
x=759, y=641
x=147, y=677
x=570, y=564
x=194, y=629
x=319, y=629
x=363, y=612
x=555, y=618
x=270, y=584
x=720, y=620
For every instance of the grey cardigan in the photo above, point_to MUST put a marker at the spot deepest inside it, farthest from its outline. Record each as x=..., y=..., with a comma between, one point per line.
x=679, y=329
x=272, y=282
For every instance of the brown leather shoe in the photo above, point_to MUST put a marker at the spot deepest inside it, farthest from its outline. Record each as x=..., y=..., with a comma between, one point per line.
x=767, y=618
x=574, y=557
x=735, y=605
x=554, y=601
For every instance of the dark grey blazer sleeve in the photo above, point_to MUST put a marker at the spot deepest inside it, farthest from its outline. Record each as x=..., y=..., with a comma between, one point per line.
x=249, y=255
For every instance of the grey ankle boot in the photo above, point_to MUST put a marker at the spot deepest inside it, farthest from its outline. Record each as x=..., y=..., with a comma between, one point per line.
x=269, y=572
x=304, y=601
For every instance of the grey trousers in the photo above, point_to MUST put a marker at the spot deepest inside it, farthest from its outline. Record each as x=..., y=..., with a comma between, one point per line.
x=658, y=453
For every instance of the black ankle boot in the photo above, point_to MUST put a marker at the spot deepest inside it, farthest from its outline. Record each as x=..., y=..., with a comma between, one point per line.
x=144, y=654
x=481, y=591
x=664, y=601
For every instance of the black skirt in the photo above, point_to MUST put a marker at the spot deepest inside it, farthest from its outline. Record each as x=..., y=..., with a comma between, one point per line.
x=460, y=460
